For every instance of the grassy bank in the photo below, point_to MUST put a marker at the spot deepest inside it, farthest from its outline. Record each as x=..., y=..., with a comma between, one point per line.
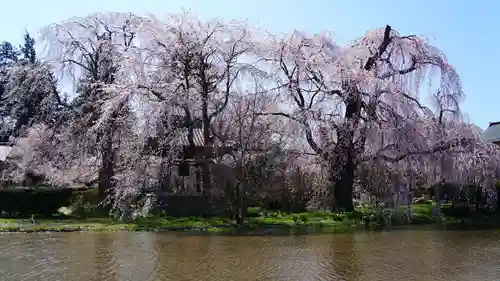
x=258, y=221
x=277, y=222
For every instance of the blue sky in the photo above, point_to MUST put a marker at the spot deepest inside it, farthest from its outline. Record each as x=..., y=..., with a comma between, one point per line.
x=467, y=31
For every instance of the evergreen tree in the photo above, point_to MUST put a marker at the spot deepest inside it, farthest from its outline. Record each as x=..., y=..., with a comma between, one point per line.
x=29, y=97
x=8, y=54
x=28, y=48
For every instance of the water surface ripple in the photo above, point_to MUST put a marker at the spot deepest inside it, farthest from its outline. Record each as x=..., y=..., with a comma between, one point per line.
x=396, y=255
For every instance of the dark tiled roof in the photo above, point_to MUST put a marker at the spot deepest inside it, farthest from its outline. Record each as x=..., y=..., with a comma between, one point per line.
x=197, y=137
x=492, y=134
x=4, y=152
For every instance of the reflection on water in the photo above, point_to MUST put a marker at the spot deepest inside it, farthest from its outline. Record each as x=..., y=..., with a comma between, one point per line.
x=396, y=255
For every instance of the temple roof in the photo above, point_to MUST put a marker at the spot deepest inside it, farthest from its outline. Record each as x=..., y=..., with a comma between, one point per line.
x=5, y=151
x=492, y=134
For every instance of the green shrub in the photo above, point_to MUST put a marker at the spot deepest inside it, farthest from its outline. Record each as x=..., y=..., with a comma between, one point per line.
x=338, y=216
x=303, y=218
x=276, y=214
x=84, y=203
x=253, y=212
x=423, y=201
x=355, y=215
x=319, y=214
x=421, y=218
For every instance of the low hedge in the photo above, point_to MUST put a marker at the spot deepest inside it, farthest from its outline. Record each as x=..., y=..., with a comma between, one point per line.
x=37, y=201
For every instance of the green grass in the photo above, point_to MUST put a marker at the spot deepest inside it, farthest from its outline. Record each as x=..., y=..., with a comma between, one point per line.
x=62, y=225
x=257, y=221
x=275, y=221
x=108, y=224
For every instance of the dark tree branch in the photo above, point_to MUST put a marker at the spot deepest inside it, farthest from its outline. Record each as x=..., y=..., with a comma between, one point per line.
x=154, y=92
x=462, y=142
x=370, y=63
x=309, y=136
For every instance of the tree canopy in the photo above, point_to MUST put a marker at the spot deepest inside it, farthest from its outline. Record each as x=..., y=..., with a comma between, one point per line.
x=331, y=110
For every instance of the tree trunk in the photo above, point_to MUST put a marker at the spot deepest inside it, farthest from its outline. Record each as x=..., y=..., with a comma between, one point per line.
x=106, y=171
x=238, y=204
x=164, y=177
x=342, y=175
x=343, y=165
x=164, y=173
x=206, y=179
x=205, y=172
x=478, y=198
x=343, y=185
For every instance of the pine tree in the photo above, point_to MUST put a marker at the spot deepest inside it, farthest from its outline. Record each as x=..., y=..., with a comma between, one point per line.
x=29, y=97
x=8, y=54
x=28, y=48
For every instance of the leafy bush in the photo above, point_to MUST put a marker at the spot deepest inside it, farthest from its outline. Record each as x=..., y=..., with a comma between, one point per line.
x=356, y=216
x=253, y=212
x=84, y=203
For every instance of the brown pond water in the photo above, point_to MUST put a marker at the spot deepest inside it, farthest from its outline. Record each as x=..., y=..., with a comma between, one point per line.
x=395, y=255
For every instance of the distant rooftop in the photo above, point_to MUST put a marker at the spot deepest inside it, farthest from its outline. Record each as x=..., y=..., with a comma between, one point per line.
x=5, y=150
x=492, y=134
